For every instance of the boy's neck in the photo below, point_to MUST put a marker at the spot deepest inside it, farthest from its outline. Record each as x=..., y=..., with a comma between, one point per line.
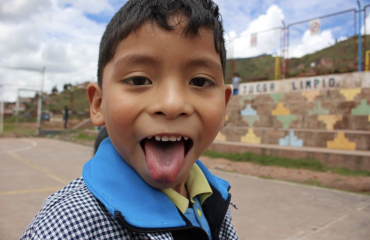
x=181, y=189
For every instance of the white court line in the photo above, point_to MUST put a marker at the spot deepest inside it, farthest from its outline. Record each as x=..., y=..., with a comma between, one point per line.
x=33, y=145
x=35, y=166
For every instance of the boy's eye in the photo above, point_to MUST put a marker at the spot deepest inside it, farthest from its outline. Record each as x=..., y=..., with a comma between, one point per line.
x=201, y=82
x=138, y=81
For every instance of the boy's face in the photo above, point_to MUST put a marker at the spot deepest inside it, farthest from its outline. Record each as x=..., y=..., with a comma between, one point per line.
x=162, y=88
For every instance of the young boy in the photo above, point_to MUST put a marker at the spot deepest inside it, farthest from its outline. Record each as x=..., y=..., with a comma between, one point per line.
x=162, y=98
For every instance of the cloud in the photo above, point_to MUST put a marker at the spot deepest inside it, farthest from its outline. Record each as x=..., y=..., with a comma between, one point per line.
x=311, y=43
x=367, y=24
x=50, y=34
x=268, y=38
x=21, y=10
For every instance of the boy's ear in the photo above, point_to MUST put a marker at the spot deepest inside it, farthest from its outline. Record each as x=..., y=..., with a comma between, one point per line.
x=228, y=93
x=95, y=96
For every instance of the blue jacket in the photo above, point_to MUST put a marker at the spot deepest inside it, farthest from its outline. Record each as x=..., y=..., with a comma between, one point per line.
x=113, y=196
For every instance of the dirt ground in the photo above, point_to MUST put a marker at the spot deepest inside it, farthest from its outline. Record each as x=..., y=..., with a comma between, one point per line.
x=357, y=184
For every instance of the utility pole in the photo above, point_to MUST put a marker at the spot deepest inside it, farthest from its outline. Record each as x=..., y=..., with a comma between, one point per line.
x=283, y=50
x=359, y=37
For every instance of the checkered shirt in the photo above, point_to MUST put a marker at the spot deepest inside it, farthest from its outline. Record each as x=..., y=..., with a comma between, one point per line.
x=74, y=213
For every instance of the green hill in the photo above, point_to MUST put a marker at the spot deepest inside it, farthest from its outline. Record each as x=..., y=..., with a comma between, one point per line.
x=75, y=99
x=340, y=58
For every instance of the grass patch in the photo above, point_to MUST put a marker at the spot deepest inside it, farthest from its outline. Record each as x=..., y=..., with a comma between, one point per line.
x=269, y=160
x=85, y=137
x=266, y=177
x=9, y=127
x=349, y=172
x=21, y=129
x=313, y=182
x=308, y=164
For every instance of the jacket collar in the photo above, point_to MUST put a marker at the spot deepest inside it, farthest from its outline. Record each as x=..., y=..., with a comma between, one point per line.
x=121, y=189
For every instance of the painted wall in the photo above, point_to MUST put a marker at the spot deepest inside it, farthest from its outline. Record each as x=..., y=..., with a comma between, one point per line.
x=326, y=111
x=327, y=82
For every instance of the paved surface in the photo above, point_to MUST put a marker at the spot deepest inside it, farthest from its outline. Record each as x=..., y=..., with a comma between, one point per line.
x=31, y=169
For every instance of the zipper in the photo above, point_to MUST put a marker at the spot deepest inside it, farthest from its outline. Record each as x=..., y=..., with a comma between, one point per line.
x=233, y=204
x=126, y=225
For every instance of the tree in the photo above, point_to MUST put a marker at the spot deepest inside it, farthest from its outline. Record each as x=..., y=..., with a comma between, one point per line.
x=54, y=90
x=67, y=86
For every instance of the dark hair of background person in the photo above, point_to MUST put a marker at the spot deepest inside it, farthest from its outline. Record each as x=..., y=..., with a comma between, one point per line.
x=103, y=133
x=198, y=13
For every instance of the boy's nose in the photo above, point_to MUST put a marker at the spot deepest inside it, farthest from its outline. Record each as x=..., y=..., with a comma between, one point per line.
x=172, y=101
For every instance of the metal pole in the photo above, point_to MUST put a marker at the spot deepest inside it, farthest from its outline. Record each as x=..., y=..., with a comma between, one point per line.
x=287, y=51
x=365, y=45
x=2, y=110
x=39, y=105
x=365, y=14
x=359, y=37
x=354, y=36
x=16, y=114
x=232, y=67
x=2, y=116
x=283, y=50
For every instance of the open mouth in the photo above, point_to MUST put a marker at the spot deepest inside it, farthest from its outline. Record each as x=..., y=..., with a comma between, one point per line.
x=164, y=143
x=166, y=156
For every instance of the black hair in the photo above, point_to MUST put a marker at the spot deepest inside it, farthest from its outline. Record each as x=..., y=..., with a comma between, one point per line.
x=199, y=13
x=103, y=133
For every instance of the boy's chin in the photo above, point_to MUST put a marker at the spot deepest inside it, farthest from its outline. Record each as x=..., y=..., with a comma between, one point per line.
x=164, y=175
x=164, y=182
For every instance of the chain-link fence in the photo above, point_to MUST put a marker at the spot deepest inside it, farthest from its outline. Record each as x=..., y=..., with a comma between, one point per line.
x=319, y=45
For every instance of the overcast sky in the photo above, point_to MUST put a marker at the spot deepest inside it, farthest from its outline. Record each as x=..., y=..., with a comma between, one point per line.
x=63, y=35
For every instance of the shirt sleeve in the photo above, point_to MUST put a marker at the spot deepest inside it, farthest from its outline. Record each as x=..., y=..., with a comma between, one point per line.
x=227, y=231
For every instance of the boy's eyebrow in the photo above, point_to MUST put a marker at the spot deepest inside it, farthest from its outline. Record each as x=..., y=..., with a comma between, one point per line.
x=138, y=58
x=205, y=62
x=134, y=58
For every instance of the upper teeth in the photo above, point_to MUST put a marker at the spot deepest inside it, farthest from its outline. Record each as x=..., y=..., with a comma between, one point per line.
x=168, y=138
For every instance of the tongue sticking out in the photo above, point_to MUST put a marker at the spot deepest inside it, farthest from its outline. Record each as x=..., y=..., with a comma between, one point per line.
x=165, y=159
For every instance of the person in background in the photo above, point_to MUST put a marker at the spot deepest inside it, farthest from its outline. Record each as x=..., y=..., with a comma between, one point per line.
x=66, y=116
x=236, y=81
